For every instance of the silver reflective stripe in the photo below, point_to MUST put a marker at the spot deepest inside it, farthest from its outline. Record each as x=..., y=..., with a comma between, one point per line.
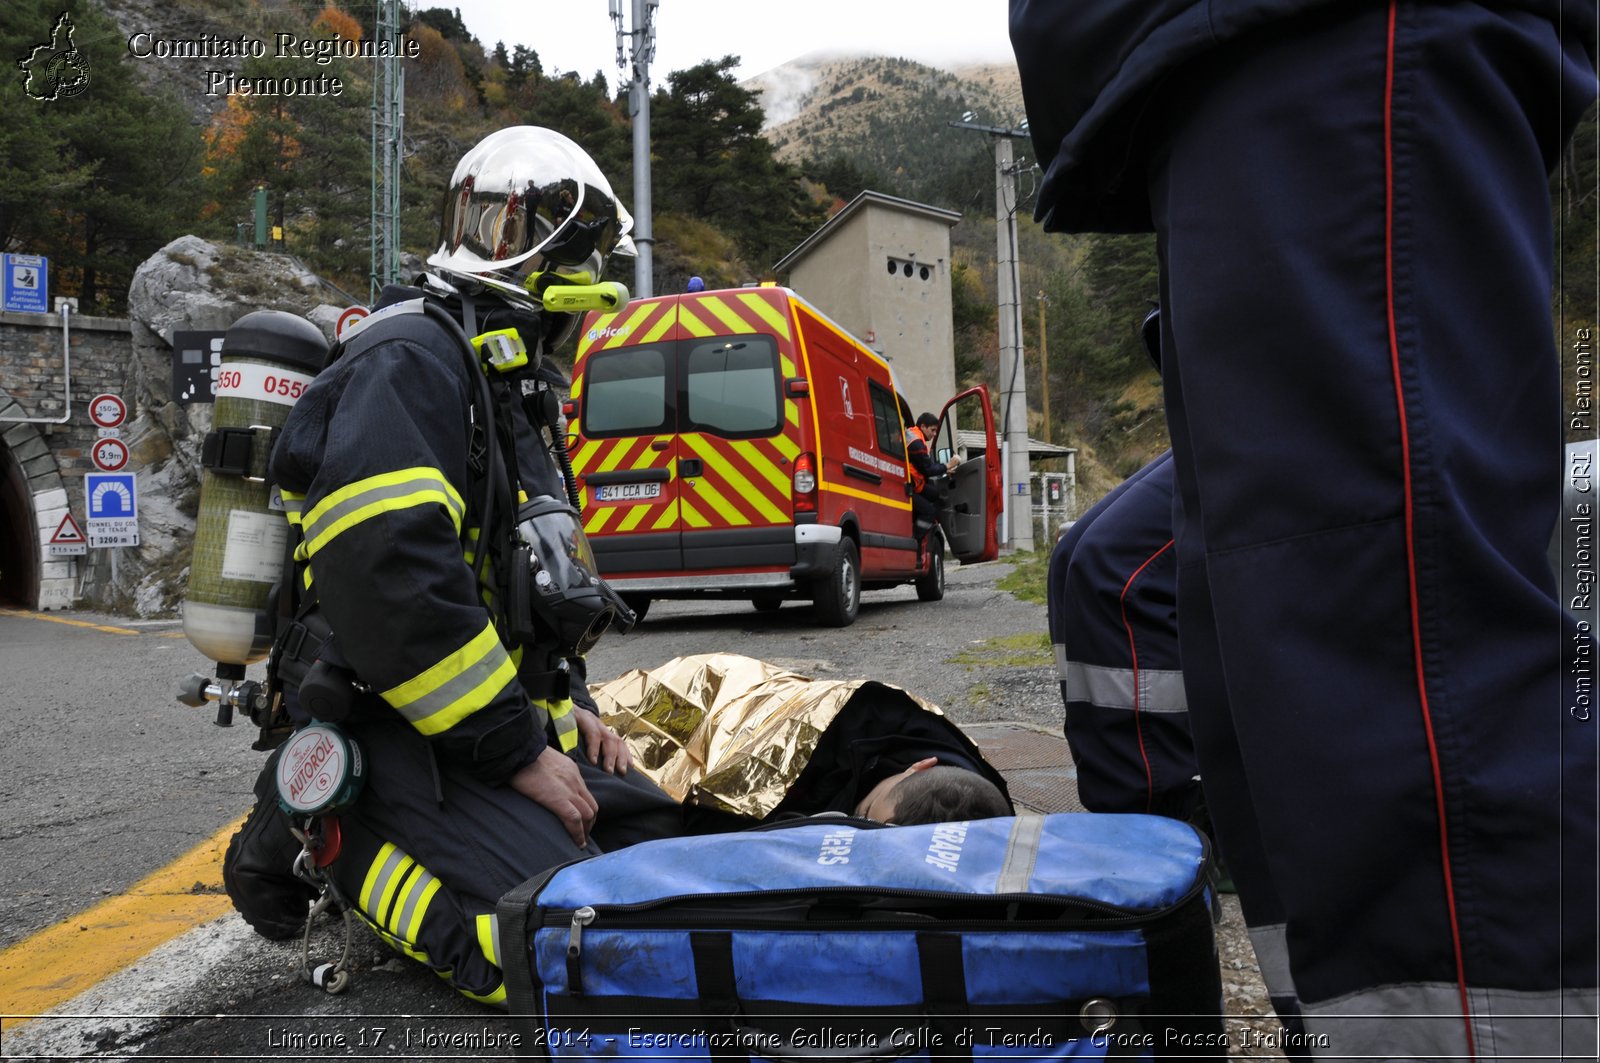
x=1272, y=956
x=1113, y=688
x=328, y=518
x=380, y=883
x=1022, y=851
x=457, y=687
x=1424, y=1021
x=415, y=892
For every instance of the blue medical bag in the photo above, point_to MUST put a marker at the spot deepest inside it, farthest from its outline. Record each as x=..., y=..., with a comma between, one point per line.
x=1077, y=936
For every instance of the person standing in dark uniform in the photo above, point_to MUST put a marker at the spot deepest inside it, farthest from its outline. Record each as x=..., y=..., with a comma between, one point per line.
x=1352, y=213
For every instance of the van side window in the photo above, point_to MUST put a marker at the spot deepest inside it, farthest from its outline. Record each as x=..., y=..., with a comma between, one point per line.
x=731, y=386
x=626, y=393
x=886, y=419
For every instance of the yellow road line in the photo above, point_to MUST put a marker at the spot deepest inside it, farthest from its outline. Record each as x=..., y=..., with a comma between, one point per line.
x=26, y=615
x=73, y=623
x=59, y=962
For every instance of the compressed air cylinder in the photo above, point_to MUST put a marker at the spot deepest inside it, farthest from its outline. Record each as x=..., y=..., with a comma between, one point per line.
x=268, y=359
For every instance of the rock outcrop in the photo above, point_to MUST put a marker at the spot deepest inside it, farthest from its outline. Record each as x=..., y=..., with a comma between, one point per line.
x=191, y=284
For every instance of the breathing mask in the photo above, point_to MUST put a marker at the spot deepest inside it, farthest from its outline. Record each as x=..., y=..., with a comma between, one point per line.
x=556, y=590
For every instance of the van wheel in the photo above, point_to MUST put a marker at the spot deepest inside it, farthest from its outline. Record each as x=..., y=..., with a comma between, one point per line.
x=767, y=603
x=837, y=596
x=930, y=588
x=639, y=604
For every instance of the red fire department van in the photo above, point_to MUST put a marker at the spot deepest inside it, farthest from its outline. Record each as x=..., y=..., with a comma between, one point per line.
x=738, y=444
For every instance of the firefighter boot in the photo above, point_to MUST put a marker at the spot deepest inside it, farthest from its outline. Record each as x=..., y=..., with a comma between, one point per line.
x=258, y=871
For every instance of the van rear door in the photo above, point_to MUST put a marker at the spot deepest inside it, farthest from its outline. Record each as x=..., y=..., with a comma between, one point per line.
x=625, y=397
x=687, y=441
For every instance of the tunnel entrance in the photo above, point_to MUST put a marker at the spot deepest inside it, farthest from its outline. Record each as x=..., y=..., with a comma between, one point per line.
x=19, y=538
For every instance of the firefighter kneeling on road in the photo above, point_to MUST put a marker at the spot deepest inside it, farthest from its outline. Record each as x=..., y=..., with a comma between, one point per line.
x=445, y=593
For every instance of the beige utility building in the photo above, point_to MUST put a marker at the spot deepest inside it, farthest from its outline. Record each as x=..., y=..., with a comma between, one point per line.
x=881, y=269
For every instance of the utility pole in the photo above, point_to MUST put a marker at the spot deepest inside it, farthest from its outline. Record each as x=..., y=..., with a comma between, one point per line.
x=1044, y=370
x=388, y=129
x=641, y=48
x=1017, y=528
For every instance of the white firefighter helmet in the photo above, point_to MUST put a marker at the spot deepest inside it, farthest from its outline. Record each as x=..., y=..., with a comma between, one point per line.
x=527, y=200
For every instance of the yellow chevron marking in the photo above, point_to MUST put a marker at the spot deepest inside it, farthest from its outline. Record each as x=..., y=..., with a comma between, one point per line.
x=692, y=323
x=660, y=328
x=767, y=312
x=727, y=315
x=691, y=516
x=762, y=464
x=707, y=492
x=613, y=456
x=667, y=519
x=635, y=517
x=598, y=518
x=736, y=482
x=624, y=334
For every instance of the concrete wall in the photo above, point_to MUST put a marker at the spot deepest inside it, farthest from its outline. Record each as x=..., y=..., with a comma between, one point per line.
x=908, y=319
x=45, y=427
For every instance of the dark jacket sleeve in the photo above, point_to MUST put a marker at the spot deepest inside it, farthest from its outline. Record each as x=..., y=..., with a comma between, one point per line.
x=378, y=446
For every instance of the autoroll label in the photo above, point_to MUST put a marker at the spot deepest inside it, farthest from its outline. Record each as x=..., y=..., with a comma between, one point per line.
x=313, y=769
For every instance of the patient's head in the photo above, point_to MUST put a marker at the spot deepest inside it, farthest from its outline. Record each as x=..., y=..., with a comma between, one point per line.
x=930, y=792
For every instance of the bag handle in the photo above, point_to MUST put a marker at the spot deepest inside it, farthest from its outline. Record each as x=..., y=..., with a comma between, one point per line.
x=944, y=996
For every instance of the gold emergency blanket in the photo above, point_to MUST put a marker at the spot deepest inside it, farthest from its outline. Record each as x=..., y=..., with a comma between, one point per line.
x=722, y=731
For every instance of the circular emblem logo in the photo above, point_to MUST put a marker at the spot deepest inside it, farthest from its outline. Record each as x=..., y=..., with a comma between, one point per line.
x=318, y=768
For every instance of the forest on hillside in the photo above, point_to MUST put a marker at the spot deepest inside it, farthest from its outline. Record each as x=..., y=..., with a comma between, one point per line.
x=100, y=180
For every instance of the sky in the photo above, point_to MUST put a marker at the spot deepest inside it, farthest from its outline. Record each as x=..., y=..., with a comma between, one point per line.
x=578, y=35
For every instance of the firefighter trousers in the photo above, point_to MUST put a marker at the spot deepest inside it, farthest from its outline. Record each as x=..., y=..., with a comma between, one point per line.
x=1113, y=613
x=1353, y=218
x=426, y=852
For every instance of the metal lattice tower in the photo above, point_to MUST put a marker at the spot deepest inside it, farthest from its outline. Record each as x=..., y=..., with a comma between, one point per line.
x=388, y=127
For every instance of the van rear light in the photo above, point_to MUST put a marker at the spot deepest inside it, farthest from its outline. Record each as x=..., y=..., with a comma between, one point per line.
x=569, y=408
x=805, y=484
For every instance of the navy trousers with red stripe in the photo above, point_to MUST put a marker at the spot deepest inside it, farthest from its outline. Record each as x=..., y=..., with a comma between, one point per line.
x=1112, y=610
x=1354, y=225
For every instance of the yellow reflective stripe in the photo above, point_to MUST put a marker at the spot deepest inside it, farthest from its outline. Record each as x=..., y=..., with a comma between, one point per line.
x=498, y=996
x=762, y=464
x=692, y=324
x=598, y=518
x=634, y=320
x=560, y=713
x=384, y=493
x=865, y=496
x=668, y=517
x=408, y=924
x=662, y=326
x=725, y=314
x=691, y=516
x=768, y=313
x=456, y=687
x=736, y=481
x=636, y=514
x=293, y=504
x=489, y=936
x=378, y=892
